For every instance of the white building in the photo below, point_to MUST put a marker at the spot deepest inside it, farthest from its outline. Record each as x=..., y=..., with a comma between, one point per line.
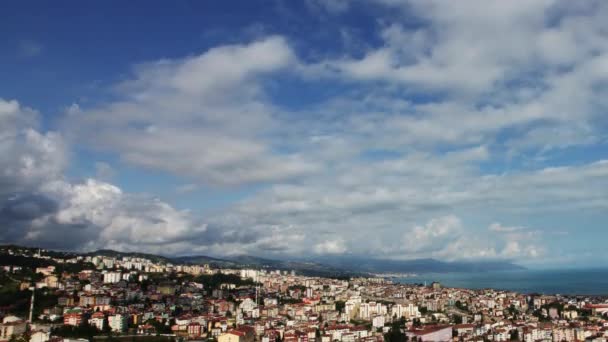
x=11, y=325
x=112, y=277
x=97, y=322
x=248, y=273
x=118, y=323
x=40, y=336
x=409, y=311
x=378, y=321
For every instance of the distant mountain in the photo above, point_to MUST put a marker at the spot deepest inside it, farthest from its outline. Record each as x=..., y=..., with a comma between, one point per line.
x=329, y=266
x=117, y=254
x=203, y=259
x=249, y=261
x=417, y=265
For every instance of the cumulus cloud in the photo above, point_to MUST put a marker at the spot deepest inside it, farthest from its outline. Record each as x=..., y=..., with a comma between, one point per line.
x=28, y=157
x=436, y=233
x=499, y=228
x=330, y=247
x=204, y=117
x=377, y=169
x=39, y=206
x=536, y=84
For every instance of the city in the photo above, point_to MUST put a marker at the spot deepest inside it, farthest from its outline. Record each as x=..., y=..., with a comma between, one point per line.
x=97, y=297
x=303, y=170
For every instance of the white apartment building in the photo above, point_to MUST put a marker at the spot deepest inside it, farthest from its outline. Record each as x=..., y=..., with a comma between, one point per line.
x=112, y=277
x=118, y=323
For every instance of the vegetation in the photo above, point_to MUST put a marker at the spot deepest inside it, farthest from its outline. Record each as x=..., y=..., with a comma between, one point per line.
x=214, y=281
x=83, y=331
x=461, y=306
x=302, y=288
x=161, y=327
x=289, y=300
x=141, y=338
x=30, y=263
x=340, y=305
x=395, y=334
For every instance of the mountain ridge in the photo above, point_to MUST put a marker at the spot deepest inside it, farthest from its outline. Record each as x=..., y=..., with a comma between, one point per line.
x=329, y=266
x=424, y=265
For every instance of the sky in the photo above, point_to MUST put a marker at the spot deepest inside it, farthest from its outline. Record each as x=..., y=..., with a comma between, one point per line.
x=455, y=130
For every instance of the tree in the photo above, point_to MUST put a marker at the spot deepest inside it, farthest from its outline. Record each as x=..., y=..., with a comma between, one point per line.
x=106, y=326
x=340, y=305
x=395, y=334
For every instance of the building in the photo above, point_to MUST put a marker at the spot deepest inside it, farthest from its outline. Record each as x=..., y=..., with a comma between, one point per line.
x=72, y=318
x=97, y=320
x=118, y=323
x=11, y=325
x=194, y=330
x=112, y=277
x=408, y=311
x=40, y=336
x=378, y=321
x=242, y=334
x=437, y=333
x=597, y=309
x=51, y=281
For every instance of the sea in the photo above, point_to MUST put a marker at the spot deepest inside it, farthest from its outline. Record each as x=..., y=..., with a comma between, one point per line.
x=564, y=281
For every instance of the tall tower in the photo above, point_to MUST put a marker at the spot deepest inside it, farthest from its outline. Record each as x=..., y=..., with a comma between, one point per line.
x=33, y=288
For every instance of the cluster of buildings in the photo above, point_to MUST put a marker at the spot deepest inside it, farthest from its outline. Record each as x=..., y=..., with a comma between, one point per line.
x=137, y=296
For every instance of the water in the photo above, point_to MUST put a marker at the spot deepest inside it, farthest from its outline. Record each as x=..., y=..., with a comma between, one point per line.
x=572, y=282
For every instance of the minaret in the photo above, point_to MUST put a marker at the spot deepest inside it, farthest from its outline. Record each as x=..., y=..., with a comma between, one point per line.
x=33, y=288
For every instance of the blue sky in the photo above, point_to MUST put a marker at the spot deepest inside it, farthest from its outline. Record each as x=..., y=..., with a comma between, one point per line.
x=388, y=129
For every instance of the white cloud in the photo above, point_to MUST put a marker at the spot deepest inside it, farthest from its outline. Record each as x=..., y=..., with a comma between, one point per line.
x=499, y=228
x=330, y=247
x=435, y=233
x=529, y=68
x=39, y=206
x=28, y=158
x=30, y=48
x=204, y=117
x=377, y=169
x=104, y=171
x=186, y=188
x=332, y=6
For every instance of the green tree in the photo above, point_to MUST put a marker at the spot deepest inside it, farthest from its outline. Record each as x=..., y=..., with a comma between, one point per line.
x=395, y=334
x=340, y=305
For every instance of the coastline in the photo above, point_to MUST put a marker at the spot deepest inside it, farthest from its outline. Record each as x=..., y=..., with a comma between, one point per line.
x=577, y=282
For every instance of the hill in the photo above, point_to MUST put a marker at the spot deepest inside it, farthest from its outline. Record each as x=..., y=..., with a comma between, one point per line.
x=249, y=261
x=117, y=254
x=336, y=266
x=418, y=265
